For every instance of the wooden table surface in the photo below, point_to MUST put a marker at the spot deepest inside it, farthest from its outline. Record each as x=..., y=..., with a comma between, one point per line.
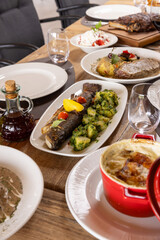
x=52, y=219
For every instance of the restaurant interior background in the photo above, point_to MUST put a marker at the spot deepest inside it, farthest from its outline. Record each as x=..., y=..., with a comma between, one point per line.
x=47, y=8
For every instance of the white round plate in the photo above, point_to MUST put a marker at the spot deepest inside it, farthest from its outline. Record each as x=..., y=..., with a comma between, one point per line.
x=32, y=181
x=35, y=79
x=38, y=141
x=154, y=94
x=88, y=205
x=91, y=58
x=113, y=39
x=111, y=12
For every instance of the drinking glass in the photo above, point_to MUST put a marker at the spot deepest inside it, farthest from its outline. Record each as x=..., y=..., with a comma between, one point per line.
x=143, y=116
x=58, y=45
x=141, y=4
x=153, y=9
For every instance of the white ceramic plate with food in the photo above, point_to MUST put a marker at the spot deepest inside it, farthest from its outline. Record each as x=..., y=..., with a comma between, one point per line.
x=37, y=140
x=90, y=59
x=32, y=184
x=88, y=205
x=112, y=39
x=35, y=79
x=111, y=12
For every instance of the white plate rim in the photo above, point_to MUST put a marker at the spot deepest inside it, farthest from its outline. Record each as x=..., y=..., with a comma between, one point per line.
x=90, y=11
x=75, y=191
x=113, y=41
x=22, y=159
x=75, y=87
x=7, y=73
x=104, y=52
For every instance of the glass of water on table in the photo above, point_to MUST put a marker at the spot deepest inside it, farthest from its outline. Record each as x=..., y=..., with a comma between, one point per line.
x=58, y=45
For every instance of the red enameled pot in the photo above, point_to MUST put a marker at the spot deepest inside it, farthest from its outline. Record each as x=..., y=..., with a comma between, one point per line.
x=137, y=202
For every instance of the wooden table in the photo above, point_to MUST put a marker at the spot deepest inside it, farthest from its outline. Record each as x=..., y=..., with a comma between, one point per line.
x=53, y=220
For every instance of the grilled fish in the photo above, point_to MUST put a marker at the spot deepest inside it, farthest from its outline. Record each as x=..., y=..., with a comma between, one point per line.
x=56, y=136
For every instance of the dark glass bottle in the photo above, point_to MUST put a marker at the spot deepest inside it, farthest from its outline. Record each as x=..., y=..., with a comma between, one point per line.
x=17, y=123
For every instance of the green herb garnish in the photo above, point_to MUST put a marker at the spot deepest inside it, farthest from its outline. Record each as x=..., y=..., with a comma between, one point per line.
x=114, y=59
x=57, y=122
x=97, y=26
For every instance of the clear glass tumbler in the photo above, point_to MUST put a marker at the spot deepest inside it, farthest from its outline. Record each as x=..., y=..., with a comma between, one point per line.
x=141, y=4
x=142, y=114
x=58, y=45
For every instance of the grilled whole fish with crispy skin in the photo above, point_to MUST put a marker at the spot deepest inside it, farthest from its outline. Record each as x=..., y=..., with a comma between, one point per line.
x=56, y=136
x=139, y=22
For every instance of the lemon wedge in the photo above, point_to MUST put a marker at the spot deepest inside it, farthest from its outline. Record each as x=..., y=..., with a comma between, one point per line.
x=70, y=105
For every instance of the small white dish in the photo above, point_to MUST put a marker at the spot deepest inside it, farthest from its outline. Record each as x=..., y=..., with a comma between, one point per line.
x=111, y=12
x=32, y=181
x=35, y=79
x=38, y=141
x=88, y=49
x=90, y=59
x=88, y=205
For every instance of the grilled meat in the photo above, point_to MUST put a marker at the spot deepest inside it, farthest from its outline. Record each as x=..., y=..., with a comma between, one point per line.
x=139, y=22
x=137, y=69
x=56, y=136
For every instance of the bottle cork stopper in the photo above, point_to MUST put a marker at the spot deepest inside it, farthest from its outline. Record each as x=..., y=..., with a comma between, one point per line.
x=10, y=86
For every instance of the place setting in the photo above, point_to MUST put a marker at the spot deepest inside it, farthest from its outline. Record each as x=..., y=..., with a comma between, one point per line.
x=114, y=188
x=46, y=78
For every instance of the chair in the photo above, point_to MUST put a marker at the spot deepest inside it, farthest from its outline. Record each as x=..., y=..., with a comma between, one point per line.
x=21, y=31
x=73, y=8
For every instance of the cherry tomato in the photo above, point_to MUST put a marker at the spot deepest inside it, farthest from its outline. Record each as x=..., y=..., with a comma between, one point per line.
x=131, y=55
x=81, y=100
x=126, y=51
x=99, y=42
x=63, y=115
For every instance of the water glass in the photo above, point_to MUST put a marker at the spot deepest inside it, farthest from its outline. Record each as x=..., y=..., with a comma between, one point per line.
x=58, y=45
x=141, y=4
x=142, y=114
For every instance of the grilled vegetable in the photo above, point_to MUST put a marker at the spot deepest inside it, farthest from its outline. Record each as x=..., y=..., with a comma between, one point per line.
x=98, y=116
x=63, y=115
x=70, y=105
x=80, y=143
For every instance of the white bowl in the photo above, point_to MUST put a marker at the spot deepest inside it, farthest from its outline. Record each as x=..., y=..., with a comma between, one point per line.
x=32, y=181
x=87, y=49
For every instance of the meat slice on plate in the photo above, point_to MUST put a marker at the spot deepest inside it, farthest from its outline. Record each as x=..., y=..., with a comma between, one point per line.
x=139, y=22
x=141, y=68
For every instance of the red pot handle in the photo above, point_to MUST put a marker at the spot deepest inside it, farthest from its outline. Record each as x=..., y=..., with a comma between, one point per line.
x=136, y=195
x=149, y=137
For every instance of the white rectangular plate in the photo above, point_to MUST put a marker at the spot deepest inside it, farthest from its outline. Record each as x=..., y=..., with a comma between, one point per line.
x=37, y=139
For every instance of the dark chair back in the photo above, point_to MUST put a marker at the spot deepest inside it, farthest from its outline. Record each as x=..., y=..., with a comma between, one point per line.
x=19, y=23
x=72, y=8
